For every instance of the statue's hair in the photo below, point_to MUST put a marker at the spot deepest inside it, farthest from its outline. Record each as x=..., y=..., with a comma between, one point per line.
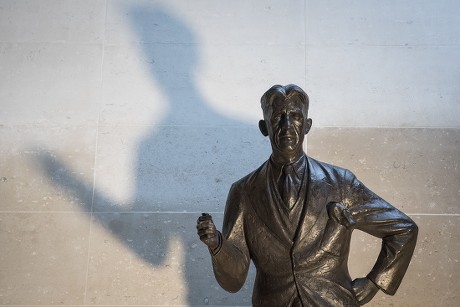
x=288, y=92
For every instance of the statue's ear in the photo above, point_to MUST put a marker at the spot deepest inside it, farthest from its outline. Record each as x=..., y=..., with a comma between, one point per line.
x=308, y=125
x=263, y=127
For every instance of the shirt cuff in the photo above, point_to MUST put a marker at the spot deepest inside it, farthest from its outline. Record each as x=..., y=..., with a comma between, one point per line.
x=216, y=250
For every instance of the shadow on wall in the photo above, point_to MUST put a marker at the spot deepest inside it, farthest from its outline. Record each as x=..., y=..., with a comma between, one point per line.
x=185, y=164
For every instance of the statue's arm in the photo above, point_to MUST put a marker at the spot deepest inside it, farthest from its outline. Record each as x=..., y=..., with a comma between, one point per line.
x=230, y=266
x=397, y=231
x=230, y=257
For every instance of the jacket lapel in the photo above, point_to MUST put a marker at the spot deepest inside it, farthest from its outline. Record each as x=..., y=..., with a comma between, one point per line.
x=317, y=191
x=264, y=204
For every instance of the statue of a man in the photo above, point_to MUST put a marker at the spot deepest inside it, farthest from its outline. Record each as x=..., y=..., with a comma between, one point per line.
x=294, y=216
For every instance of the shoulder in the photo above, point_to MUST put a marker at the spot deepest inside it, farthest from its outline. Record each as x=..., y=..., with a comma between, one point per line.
x=329, y=172
x=240, y=191
x=246, y=186
x=254, y=178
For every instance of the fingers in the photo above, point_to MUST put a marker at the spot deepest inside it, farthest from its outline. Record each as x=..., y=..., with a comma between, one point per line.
x=339, y=213
x=204, y=217
x=347, y=218
x=207, y=230
x=364, y=289
x=205, y=222
x=334, y=210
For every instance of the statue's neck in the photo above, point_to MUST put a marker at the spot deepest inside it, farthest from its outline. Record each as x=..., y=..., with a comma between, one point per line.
x=286, y=159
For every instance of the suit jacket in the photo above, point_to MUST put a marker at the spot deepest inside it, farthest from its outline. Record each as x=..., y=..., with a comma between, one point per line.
x=308, y=268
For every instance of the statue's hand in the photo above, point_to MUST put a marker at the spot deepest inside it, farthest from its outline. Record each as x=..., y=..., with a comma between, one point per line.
x=339, y=213
x=364, y=290
x=207, y=231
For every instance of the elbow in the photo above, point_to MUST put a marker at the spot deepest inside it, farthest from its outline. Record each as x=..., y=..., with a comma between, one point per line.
x=231, y=276
x=411, y=233
x=412, y=228
x=230, y=267
x=232, y=287
x=237, y=277
x=230, y=284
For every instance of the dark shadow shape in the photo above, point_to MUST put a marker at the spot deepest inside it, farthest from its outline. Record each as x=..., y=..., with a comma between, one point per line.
x=164, y=164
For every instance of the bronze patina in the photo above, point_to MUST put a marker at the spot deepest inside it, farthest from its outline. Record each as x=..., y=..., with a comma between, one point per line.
x=294, y=217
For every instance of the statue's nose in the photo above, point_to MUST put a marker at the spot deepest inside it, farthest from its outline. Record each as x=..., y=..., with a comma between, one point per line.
x=286, y=121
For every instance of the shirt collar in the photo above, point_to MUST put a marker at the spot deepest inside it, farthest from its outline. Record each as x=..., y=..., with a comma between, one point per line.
x=297, y=165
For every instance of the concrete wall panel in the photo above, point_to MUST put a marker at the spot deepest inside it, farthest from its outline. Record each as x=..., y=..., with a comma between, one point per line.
x=122, y=121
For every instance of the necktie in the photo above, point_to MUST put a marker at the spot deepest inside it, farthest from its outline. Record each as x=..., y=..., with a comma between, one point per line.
x=289, y=193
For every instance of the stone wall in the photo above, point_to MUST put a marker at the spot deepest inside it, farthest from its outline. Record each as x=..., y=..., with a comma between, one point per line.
x=122, y=121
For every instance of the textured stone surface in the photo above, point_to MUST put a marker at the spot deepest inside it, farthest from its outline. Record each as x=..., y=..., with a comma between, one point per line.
x=414, y=169
x=384, y=86
x=46, y=168
x=44, y=258
x=121, y=121
x=334, y=22
x=140, y=258
x=220, y=22
x=434, y=267
x=174, y=168
x=49, y=84
x=52, y=21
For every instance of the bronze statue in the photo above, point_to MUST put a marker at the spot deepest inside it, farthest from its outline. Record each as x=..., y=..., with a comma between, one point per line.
x=294, y=216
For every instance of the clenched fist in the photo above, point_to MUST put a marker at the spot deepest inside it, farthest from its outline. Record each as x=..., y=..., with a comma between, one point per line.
x=208, y=233
x=364, y=290
x=339, y=213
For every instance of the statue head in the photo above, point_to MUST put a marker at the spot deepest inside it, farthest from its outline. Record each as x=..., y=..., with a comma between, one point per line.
x=285, y=110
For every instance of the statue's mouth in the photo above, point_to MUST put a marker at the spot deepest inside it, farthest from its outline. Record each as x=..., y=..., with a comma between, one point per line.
x=287, y=136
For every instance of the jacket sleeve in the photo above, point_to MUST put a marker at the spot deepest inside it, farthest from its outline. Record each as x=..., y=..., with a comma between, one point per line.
x=231, y=262
x=380, y=219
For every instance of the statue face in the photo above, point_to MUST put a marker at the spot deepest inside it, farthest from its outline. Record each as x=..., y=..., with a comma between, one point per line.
x=287, y=125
